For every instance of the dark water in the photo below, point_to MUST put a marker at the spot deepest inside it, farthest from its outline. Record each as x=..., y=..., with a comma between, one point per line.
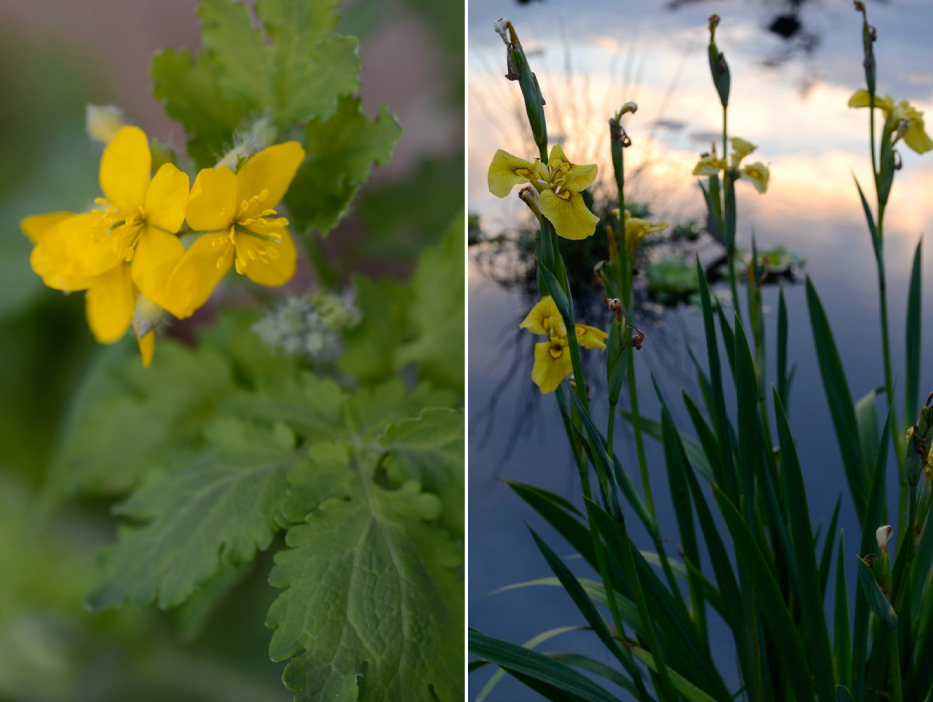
x=811, y=140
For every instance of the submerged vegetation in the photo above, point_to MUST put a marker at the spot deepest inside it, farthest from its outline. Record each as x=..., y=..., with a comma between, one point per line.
x=747, y=552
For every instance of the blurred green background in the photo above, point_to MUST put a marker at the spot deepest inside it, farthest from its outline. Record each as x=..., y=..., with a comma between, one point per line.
x=56, y=56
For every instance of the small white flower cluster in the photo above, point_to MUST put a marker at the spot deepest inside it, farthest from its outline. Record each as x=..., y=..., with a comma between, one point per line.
x=310, y=327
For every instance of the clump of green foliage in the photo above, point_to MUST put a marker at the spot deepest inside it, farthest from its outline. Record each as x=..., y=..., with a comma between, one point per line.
x=748, y=551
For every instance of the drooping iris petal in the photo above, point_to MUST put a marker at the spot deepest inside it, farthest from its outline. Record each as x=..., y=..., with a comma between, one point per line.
x=742, y=148
x=271, y=170
x=197, y=273
x=861, y=98
x=591, y=337
x=213, y=201
x=917, y=139
x=125, y=169
x=506, y=171
x=568, y=213
x=266, y=262
x=544, y=318
x=552, y=365
x=35, y=226
x=166, y=199
x=75, y=247
x=757, y=174
x=156, y=255
x=109, y=304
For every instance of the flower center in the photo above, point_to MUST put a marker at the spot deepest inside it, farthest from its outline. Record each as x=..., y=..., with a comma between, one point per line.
x=123, y=226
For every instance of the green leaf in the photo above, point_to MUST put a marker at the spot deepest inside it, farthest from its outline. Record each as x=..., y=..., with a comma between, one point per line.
x=842, y=640
x=374, y=603
x=877, y=599
x=866, y=418
x=124, y=418
x=843, y=694
x=695, y=452
x=811, y=594
x=914, y=336
x=341, y=152
x=311, y=66
x=191, y=95
x=437, y=313
x=430, y=448
x=219, y=508
x=788, y=646
x=538, y=667
x=532, y=644
x=686, y=688
x=783, y=380
x=827, y=556
x=840, y=400
x=872, y=229
x=370, y=348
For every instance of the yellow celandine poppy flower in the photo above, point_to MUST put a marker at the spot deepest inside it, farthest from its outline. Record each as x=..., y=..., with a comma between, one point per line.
x=559, y=185
x=552, y=357
x=636, y=229
x=111, y=296
x=902, y=112
x=236, y=214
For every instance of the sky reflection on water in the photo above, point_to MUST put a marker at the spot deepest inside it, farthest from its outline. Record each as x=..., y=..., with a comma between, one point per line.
x=796, y=112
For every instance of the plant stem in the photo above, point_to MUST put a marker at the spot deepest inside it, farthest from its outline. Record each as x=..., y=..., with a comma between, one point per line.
x=639, y=439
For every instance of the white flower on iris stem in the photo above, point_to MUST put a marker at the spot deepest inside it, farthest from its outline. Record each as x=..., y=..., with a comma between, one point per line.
x=883, y=536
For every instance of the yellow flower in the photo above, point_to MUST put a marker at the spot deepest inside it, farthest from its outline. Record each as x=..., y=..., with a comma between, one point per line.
x=902, y=114
x=111, y=295
x=637, y=229
x=559, y=184
x=545, y=319
x=709, y=164
x=552, y=364
x=236, y=214
x=911, y=119
x=758, y=174
x=740, y=149
x=552, y=357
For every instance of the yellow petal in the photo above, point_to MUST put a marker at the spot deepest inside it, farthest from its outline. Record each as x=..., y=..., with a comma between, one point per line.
x=544, y=318
x=125, y=169
x=166, y=198
x=156, y=255
x=146, y=344
x=916, y=138
x=270, y=170
x=53, y=280
x=266, y=262
x=35, y=226
x=568, y=213
x=213, y=204
x=758, y=174
x=552, y=365
x=76, y=248
x=556, y=157
x=580, y=177
x=197, y=273
x=591, y=337
x=109, y=304
x=506, y=171
x=861, y=98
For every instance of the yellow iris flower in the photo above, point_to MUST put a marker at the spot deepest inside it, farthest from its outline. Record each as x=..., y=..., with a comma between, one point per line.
x=559, y=185
x=552, y=357
x=111, y=295
x=758, y=174
x=636, y=229
x=236, y=214
x=899, y=112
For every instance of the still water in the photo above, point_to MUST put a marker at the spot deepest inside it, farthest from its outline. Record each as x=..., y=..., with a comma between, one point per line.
x=789, y=97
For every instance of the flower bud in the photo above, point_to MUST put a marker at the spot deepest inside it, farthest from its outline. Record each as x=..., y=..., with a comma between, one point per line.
x=883, y=536
x=103, y=122
x=529, y=196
